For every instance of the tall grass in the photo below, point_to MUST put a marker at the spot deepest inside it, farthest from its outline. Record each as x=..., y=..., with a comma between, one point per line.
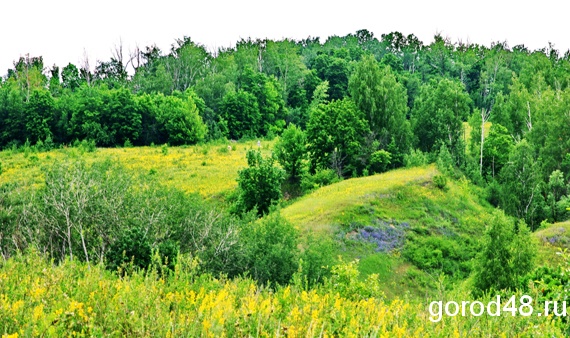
x=38, y=298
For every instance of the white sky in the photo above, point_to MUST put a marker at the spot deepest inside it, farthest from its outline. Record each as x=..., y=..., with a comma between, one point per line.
x=61, y=30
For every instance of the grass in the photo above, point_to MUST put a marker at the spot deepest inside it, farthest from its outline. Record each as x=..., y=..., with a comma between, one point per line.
x=318, y=211
x=552, y=239
x=449, y=220
x=73, y=299
x=209, y=169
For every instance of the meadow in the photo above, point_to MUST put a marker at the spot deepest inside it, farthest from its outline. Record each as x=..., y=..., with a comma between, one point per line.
x=209, y=169
x=72, y=299
x=380, y=285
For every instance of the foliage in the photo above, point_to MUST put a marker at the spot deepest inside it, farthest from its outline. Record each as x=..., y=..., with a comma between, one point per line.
x=130, y=247
x=335, y=134
x=241, y=111
x=259, y=184
x=507, y=254
x=416, y=158
x=290, y=151
x=521, y=185
x=271, y=251
x=439, y=254
x=557, y=197
x=440, y=182
x=444, y=161
x=379, y=161
x=378, y=94
x=496, y=150
x=319, y=179
x=438, y=113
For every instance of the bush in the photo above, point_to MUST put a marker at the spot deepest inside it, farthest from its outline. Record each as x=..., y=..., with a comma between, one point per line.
x=271, y=250
x=379, y=161
x=321, y=178
x=259, y=185
x=345, y=280
x=451, y=256
x=507, y=254
x=316, y=260
x=445, y=161
x=87, y=213
x=440, y=182
x=291, y=152
x=416, y=158
x=132, y=247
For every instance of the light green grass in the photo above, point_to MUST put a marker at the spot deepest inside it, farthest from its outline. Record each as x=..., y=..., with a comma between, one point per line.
x=456, y=214
x=318, y=210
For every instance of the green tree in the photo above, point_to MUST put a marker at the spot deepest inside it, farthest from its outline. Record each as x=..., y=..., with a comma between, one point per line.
x=12, y=116
x=39, y=111
x=497, y=149
x=124, y=118
x=291, y=152
x=514, y=110
x=335, y=134
x=269, y=100
x=556, y=196
x=179, y=116
x=334, y=70
x=186, y=63
x=551, y=133
x=259, y=185
x=383, y=100
x=86, y=120
x=283, y=61
x=438, y=114
x=506, y=255
x=70, y=77
x=241, y=111
x=521, y=185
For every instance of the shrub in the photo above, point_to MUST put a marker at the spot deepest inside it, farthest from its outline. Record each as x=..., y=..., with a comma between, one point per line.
x=440, y=182
x=380, y=160
x=316, y=260
x=291, y=152
x=451, y=256
x=416, y=158
x=132, y=247
x=321, y=178
x=345, y=279
x=445, y=161
x=259, y=184
x=506, y=255
x=271, y=250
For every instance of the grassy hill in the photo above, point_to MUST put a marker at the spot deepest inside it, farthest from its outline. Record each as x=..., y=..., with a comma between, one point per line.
x=398, y=224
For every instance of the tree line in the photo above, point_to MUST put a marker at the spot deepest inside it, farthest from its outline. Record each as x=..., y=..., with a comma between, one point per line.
x=358, y=104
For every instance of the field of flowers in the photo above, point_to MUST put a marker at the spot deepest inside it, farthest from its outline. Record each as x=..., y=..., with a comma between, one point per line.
x=38, y=298
x=208, y=169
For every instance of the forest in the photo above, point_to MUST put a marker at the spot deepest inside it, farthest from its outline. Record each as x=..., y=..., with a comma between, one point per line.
x=222, y=170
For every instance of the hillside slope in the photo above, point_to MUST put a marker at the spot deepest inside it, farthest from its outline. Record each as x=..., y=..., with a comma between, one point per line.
x=399, y=224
